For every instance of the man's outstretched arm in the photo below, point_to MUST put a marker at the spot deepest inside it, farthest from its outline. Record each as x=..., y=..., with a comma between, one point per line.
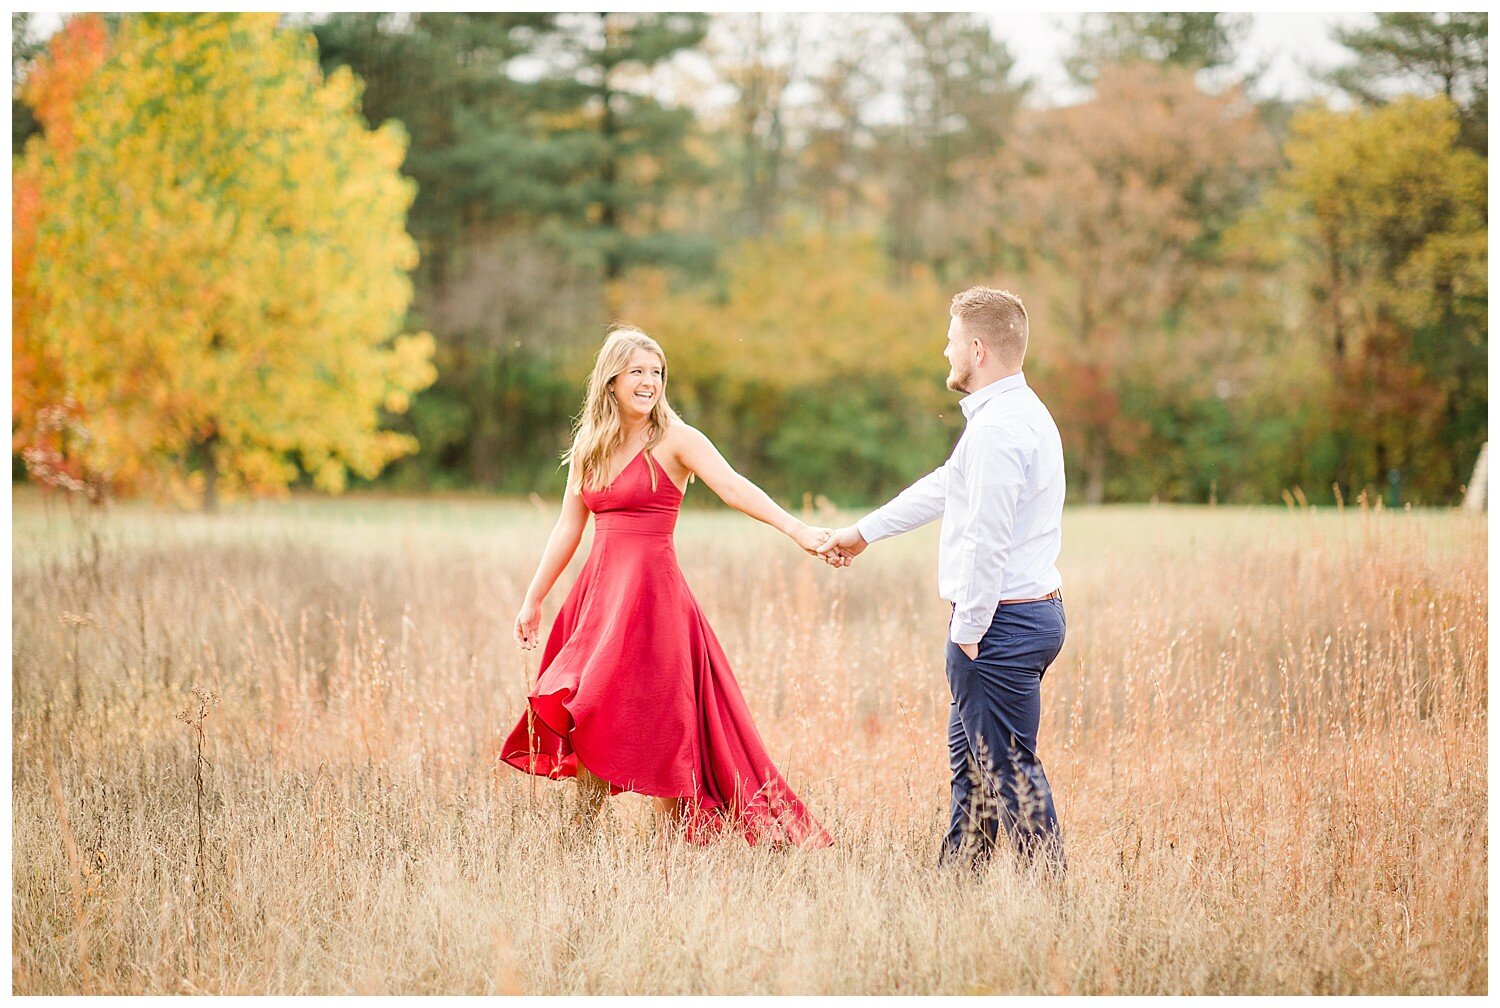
x=912, y=508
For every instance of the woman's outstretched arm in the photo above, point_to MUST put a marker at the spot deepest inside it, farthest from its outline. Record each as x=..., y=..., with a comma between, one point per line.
x=698, y=454
x=561, y=545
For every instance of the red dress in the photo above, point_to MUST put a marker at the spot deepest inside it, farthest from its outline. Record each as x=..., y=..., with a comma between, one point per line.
x=634, y=684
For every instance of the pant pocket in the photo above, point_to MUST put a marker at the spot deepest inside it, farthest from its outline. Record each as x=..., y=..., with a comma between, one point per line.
x=957, y=661
x=1033, y=651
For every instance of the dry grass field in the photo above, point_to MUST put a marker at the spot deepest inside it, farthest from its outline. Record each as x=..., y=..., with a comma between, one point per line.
x=1266, y=734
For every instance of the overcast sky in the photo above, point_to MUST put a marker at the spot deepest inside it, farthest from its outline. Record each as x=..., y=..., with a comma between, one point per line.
x=1288, y=44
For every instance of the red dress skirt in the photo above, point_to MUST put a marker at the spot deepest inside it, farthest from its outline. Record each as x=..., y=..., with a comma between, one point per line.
x=635, y=687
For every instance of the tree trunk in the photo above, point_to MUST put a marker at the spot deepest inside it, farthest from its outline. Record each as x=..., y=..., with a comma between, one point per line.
x=486, y=451
x=609, y=212
x=1093, y=490
x=1343, y=473
x=1476, y=494
x=210, y=473
x=1382, y=469
x=770, y=209
x=1343, y=476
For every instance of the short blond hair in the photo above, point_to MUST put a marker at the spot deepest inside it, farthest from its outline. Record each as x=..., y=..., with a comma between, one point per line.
x=997, y=317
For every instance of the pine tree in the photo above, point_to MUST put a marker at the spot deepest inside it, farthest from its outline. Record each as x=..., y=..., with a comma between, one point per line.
x=1424, y=54
x=633, y=144
x=478, y=152
x=1194, y=39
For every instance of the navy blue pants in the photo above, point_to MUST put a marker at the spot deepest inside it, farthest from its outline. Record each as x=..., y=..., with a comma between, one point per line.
x=997, y=780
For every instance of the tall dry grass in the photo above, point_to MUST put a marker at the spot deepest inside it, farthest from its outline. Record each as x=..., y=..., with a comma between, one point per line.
x=1266, y=734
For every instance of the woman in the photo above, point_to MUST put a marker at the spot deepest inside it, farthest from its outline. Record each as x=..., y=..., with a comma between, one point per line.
x=635, y=693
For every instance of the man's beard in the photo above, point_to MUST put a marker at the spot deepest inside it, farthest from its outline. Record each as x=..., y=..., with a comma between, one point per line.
x=958, y=379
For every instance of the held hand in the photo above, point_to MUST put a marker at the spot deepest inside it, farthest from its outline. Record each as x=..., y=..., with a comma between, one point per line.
x=835, y=558
x=972, y=650
x=810, y=537
x=528, y=623
x=842, y=546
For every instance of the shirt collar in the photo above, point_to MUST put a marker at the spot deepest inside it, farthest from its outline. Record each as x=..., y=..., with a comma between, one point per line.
x=974, y=401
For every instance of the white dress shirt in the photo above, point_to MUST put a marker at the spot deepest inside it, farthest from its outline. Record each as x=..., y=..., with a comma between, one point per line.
x=1001, y=495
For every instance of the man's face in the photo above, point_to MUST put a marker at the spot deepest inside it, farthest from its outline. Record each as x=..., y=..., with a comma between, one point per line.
x=960, y=354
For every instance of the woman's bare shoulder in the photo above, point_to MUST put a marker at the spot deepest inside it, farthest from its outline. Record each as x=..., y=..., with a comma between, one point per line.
x=680, y=435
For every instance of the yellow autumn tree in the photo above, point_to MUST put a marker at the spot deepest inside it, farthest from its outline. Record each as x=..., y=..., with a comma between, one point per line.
x=811, y=370
x=220, y=264
x=1382, y=215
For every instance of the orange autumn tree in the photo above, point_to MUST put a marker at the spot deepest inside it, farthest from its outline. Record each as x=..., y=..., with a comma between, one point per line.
x=220, y=264
x=45, y=422
x=1121, y=205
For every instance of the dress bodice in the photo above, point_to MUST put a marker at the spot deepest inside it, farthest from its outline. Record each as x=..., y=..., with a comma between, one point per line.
x=630, y=505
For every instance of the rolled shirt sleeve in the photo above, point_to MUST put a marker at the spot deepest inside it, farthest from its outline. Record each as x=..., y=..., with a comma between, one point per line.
x=912, y=508
x=995, y=474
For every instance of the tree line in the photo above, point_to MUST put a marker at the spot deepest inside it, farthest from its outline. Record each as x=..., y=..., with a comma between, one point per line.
x=1231, y=297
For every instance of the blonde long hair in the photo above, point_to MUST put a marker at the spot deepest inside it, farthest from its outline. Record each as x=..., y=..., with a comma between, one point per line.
x=597, y=434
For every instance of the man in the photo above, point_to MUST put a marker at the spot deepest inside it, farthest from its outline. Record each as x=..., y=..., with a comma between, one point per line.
x=1000, y=495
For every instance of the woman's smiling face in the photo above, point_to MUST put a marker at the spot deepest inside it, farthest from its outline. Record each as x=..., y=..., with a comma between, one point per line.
x=638, y=388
